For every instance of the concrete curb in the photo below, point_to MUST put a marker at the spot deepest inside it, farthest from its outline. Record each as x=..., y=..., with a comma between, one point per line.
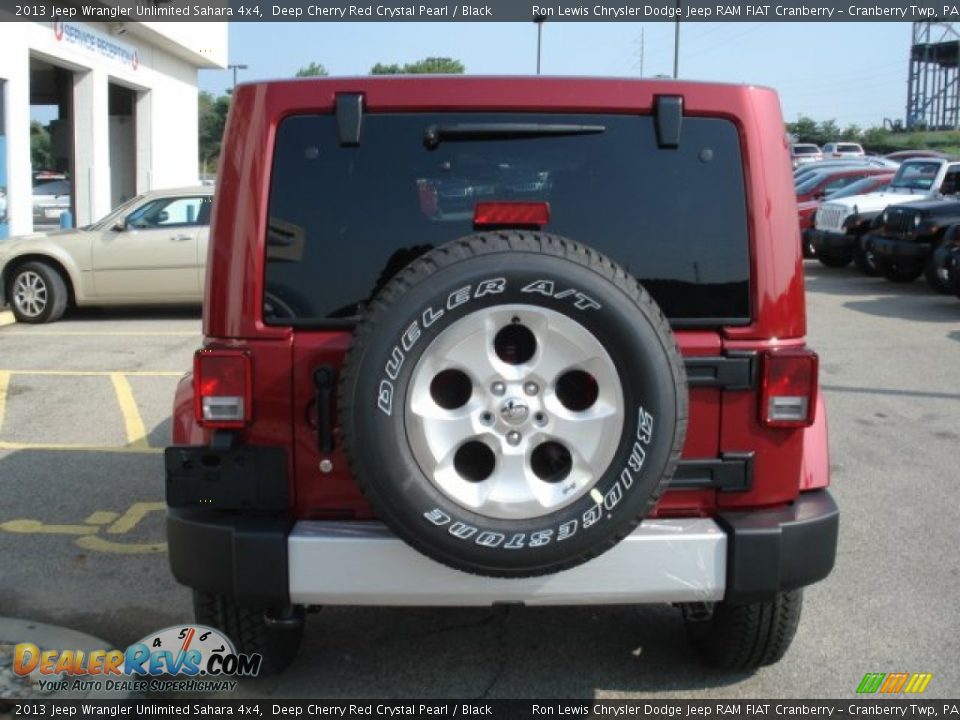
x=46, y=637
x=6, y=318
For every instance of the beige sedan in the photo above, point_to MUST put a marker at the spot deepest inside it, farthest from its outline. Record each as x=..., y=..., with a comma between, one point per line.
x=150, y=250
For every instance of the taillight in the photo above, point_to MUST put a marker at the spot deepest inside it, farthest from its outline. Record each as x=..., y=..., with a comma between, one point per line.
x=222, y=388
x=527, y=214
x=788, y=387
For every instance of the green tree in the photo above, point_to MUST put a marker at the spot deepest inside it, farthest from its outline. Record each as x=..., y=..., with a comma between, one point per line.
x=852, y=133
x=212, y=119
x=312, y=70
x=427, y=66
x=41, y=157
x=829, y=131
x=805, y=128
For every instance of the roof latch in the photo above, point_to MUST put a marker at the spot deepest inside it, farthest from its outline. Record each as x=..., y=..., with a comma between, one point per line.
x=349, y=118
x=669, y=117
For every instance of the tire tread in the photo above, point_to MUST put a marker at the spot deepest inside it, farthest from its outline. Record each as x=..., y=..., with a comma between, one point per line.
x=746, y=637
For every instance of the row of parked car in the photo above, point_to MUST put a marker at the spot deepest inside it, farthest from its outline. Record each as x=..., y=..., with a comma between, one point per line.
x=896, y=216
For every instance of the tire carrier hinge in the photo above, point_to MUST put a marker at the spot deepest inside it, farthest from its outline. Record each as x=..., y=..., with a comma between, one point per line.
x=324, y=378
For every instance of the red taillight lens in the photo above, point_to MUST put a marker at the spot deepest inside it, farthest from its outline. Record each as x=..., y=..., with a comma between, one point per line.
x=222, y=388
x=530, y=214
x=788, y=387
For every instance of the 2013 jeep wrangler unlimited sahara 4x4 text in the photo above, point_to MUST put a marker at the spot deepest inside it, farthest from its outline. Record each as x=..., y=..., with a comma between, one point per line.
x=487, y=340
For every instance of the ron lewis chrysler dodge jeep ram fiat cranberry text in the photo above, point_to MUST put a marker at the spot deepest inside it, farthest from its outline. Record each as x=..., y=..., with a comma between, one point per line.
x=486, y=340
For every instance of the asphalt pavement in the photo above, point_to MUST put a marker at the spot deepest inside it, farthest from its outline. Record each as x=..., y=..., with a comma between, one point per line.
x=85, y=412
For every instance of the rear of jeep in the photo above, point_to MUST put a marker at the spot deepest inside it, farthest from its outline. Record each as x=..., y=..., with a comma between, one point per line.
x=473, y=341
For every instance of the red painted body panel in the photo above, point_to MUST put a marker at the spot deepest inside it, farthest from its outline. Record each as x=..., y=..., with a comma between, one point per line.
x=815, y=471
x=807, y=213
x=719, y=421
x=833, y=175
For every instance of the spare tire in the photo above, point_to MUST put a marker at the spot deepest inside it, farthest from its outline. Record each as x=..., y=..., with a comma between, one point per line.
x=513, y=404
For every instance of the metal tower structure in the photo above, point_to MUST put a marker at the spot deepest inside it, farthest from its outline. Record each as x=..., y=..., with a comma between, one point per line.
x=933, y=83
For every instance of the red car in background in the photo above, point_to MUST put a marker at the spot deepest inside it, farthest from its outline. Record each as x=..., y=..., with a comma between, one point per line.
x=901, y=155
x=821, y=184
x=807, y=211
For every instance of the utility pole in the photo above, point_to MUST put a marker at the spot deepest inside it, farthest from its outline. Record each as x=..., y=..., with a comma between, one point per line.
x=235, y=68
x=676, y=44
x=539, y=20
x=641, y=52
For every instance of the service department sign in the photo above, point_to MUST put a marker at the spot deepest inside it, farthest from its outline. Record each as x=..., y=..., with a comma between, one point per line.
x=96, y=43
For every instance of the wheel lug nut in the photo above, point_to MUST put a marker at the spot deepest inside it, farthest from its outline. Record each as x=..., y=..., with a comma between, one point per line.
x=540, y=419
x=513, y=437
x=531, y=388
x=498, y=388
x=486, y=418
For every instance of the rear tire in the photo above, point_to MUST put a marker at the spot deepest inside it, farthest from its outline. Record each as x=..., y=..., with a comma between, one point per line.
x=37, y=293
x=834, y=259
x=746, y=637
x=250, y=631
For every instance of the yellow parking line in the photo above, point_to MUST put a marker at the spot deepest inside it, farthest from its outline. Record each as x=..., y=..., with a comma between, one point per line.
x=6, y=318
x=134, y=514
x=4, y=384
x=80, y=448
x=94, y=542
x=136, y=431
x=98, y=373
x=35, y=526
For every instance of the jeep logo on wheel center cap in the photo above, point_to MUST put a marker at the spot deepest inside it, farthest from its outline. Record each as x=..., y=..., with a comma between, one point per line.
x=514, y=411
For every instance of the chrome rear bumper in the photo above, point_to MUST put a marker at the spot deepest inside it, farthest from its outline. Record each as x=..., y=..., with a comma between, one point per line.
x=362, y=563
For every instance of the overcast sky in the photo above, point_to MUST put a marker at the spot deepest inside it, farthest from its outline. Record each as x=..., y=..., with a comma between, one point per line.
x=855, y=73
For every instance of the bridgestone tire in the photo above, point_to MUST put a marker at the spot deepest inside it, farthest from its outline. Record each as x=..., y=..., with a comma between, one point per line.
x=54, y=289
x=834, y=259
x=492, y=274
x=746, y=637
x=249, y=631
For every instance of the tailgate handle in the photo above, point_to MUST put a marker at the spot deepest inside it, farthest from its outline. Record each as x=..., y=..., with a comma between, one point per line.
x=324, y=378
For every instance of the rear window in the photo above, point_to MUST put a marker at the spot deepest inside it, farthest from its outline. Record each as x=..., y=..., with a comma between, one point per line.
x=342, y=220
x=849, y=148
x=860, y=187
x=916, y=175
x=805, y=149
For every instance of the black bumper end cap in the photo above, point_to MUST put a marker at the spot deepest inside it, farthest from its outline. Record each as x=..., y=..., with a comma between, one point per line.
x=242, y=557
x=771, y=551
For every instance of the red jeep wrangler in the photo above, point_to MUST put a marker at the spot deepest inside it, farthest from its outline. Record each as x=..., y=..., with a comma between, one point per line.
x=487, y=340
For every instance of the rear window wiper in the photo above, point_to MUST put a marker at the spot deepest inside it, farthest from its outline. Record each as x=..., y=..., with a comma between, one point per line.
x=435, y=134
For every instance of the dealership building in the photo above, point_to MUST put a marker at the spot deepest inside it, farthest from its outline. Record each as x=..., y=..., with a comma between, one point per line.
x=120, y=102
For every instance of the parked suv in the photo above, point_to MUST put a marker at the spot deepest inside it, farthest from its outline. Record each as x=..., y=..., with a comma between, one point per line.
x=840, y=224
x=905, y=238
x=804, y=153
x=588, y=396
x=843, y=149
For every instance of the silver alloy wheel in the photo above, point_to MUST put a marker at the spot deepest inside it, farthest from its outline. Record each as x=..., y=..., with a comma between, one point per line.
x=511, y=414
x=30, y=293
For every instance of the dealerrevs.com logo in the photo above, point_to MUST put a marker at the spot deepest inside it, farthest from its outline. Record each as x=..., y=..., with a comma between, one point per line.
x=894, y=683
x=186, y=657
